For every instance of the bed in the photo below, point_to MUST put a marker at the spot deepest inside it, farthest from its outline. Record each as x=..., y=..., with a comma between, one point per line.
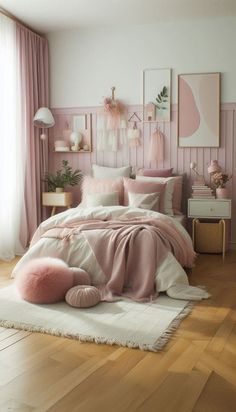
x=128, y=234
x=70, y=237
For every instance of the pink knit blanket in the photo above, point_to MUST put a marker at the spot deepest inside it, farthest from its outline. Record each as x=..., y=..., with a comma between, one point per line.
x=129, y=251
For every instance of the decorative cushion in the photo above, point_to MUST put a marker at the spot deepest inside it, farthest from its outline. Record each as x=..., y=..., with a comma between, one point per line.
x=103, y=199
x=169, y=181
x=155, y=172
x=83, y=296
x=91, y=186
x=103, y=172
x=81, y=277
x=144, y=187
x=45, y=280
x=143, y=201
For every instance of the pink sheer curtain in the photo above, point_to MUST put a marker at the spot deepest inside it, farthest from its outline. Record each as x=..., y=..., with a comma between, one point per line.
x=34, y=73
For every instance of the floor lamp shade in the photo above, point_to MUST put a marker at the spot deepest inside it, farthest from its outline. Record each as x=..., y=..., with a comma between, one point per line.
x=43, y=118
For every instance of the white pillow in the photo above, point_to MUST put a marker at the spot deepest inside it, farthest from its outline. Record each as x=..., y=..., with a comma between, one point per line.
x=102, y=199
x=168, y=209
x=102, y=172
x=143, y=200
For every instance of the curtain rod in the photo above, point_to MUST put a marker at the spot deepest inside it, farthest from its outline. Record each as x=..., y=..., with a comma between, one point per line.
x=12, y=17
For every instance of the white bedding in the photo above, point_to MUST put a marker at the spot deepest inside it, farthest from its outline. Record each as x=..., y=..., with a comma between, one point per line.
x=168, y=275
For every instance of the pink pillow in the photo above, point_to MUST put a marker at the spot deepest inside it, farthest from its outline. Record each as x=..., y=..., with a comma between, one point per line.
x=46, y=280
x=155, y=172
x=177, y=194
x=138, y=186
x=83, y=296
x=91, y=186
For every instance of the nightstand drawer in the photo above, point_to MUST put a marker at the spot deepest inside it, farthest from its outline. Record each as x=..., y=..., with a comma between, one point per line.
x=209, y=209
x=57, y=199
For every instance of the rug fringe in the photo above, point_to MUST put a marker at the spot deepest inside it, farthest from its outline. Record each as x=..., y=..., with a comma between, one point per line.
x=157, y=346
x=165, y=337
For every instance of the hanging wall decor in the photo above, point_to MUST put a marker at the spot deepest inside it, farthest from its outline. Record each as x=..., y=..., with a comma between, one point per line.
x=156, y=95
x=134, y=133
x=199, y=110
x=111, y=124
x=156, y=148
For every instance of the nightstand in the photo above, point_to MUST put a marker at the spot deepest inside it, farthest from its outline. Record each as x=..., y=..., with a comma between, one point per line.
x=209, y=237
x=55, y=200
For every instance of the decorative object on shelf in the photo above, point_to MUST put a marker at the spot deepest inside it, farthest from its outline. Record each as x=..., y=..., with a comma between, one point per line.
x=111, y=124
x=199, y=110
x=43, y=119
x=156, y=95
x=79, y=125
x=214, y=167
x=222, y=193
x=63, y=177
x=75, y=138
x=219, y=180
x=200, y=178
x=76, y=135
x=156, y=148
x=61, y=146
x=134, y=133
x=202, y=191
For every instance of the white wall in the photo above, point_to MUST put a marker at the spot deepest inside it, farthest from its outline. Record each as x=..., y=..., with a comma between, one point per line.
x=85, y=64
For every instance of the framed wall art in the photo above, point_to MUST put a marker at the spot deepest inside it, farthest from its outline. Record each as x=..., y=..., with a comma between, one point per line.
x=199, y=110
x=156, y=95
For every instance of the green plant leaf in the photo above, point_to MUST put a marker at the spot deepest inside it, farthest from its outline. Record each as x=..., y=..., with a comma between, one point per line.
x=62, y=177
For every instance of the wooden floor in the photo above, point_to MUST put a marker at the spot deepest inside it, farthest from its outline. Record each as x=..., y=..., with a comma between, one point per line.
x=195, y=372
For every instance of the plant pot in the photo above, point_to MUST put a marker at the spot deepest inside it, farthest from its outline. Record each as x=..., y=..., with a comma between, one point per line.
x=222, y=193
x=59, y=190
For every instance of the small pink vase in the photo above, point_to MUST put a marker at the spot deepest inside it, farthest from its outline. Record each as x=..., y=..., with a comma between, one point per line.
x=222, y=193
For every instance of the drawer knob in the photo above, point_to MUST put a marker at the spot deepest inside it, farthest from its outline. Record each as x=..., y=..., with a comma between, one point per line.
x=212, y=209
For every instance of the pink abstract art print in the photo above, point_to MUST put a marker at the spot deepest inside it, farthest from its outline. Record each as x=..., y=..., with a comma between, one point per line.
x=199, y=110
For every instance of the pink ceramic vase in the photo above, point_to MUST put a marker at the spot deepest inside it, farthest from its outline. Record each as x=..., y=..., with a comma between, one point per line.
x=222, y=193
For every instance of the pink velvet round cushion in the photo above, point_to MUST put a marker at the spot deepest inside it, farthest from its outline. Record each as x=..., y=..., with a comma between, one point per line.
x=45, y=280
x=83, y=296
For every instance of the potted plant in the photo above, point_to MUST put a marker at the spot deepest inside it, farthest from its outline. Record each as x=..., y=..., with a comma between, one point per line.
x=219, y=180
x=56, y=182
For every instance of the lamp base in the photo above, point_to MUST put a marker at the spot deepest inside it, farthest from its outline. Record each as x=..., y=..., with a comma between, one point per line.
x=199, y=181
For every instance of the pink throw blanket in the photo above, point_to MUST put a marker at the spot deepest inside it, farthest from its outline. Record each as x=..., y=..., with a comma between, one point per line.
x=129, y=251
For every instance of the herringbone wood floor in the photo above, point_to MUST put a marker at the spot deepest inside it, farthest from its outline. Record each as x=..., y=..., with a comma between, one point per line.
x=195, y=372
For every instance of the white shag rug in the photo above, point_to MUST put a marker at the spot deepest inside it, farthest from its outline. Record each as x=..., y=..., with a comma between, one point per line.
x=147, y=326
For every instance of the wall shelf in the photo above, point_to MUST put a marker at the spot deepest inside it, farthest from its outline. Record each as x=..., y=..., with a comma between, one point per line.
x=72, y=151
x=86, y=131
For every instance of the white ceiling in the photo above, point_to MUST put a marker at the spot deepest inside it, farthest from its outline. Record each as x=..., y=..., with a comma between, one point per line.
x=52, y=15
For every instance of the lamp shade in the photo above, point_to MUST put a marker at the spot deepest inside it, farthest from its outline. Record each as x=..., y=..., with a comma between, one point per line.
x=214, y=167
x=43, y=118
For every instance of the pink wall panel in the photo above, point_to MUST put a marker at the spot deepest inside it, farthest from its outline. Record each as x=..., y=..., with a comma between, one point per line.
x=178, y=158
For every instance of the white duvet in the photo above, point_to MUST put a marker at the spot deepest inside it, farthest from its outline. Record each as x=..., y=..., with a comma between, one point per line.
x=170, y=277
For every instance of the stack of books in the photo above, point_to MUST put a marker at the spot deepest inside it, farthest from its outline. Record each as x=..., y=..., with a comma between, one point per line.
x=202, y=192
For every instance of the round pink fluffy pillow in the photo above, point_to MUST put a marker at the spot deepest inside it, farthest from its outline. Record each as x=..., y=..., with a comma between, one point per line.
x=83, y=296
x=45, y=280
